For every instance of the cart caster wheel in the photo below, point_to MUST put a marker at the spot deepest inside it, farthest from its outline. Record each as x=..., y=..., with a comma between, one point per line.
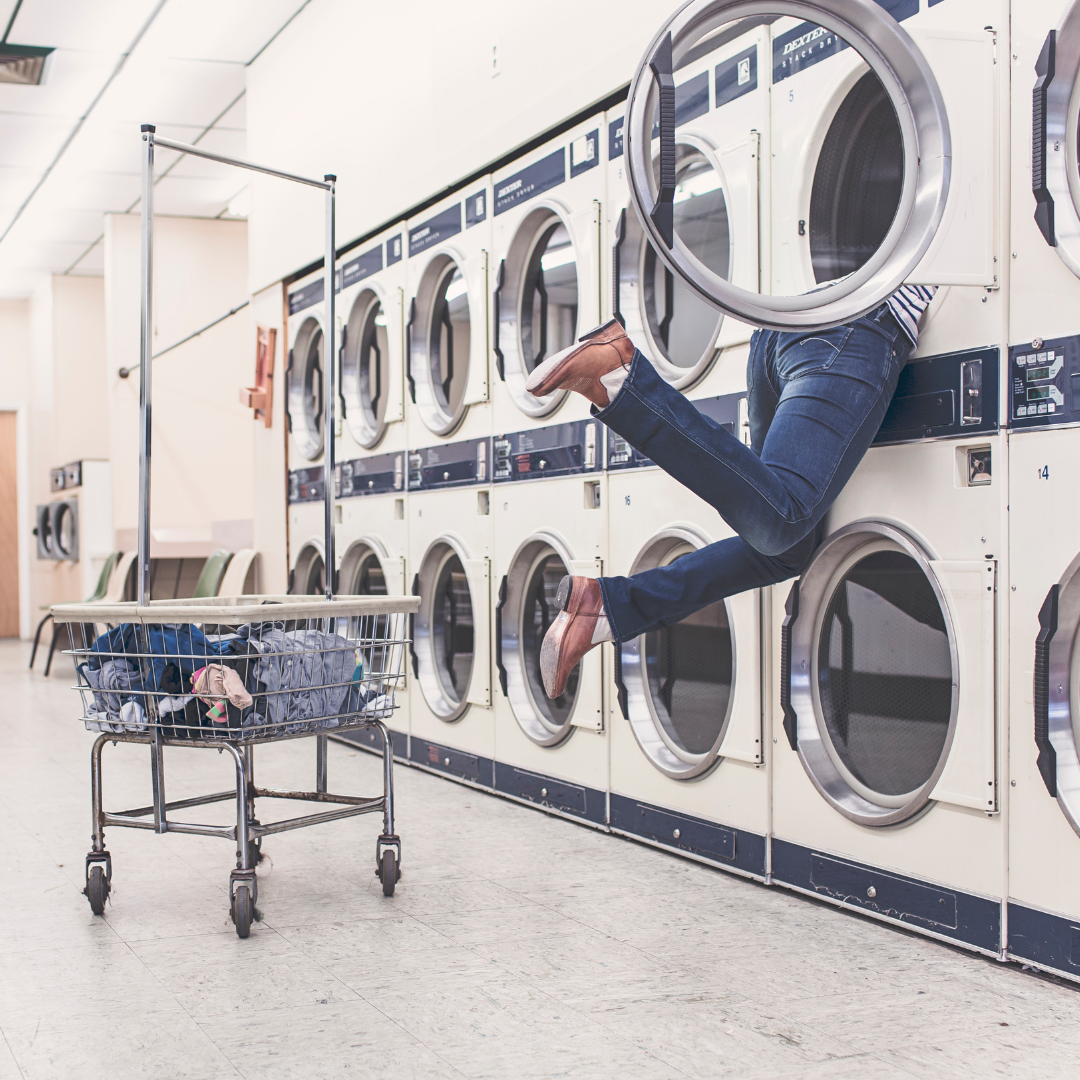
x=243, y=908
x=388, y=871
x=97, y=889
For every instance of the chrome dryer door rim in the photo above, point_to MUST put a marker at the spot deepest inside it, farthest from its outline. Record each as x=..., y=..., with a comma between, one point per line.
x=920, y=110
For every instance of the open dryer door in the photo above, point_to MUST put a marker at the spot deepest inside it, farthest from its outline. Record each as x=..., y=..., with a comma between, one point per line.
x=906, y=132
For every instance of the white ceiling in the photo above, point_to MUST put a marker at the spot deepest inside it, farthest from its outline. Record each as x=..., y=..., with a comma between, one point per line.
x=71, y=146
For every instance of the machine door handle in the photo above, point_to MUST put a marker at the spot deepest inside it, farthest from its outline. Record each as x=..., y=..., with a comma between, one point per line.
x=408, y=350
x=616, y=268
x=663, y=213
x=412, y=630
x=791, y=720
x=498, y=636
x=1044, y=201
x=1048, y=619
x=500, y=360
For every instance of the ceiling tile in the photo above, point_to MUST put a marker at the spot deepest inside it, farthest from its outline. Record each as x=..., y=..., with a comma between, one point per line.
x=194, y=198
x=92, y=262
x=78, y=189
x=104, y=25
x=15, y=185
x=31, y=141
x=210, y=30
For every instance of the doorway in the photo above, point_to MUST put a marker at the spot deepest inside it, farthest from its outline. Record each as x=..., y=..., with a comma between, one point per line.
x=9, y=530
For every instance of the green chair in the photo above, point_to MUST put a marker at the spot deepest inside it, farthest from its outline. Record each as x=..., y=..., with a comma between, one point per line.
x=98, y=594
x=210, y=579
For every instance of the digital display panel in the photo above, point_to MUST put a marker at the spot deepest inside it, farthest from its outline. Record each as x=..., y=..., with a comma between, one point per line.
x=1036, y=373
x=1038, y=393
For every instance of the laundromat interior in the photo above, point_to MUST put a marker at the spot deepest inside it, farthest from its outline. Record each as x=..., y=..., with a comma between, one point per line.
x=276, y=281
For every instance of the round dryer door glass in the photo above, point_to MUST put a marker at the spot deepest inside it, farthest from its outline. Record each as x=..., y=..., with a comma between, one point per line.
x=452, y=630
x=528, y=610
x=679, y=679
x=365, y=370
x=859, y=153
x=365, y=573
x=549, y=296
x=449, y=341
x=306, y=389
x=884, y=676
x=65, y=531
x=681, y=326
x=873, y=670
x=309, y=578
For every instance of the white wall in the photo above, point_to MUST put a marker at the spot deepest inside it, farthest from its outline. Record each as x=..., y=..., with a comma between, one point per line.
x=399, y=101
x=202, y=446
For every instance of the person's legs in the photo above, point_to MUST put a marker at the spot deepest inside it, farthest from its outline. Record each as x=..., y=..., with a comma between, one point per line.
x=831, y=392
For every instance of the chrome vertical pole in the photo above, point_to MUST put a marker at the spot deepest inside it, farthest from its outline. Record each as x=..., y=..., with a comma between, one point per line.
x=329, y=371
x=146, y=341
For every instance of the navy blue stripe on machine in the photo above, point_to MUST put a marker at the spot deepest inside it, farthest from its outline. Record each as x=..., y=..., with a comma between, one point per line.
x=529, y=182
x=1045, y=939
x=475, y=209
x=456, y=763
x=736, y=76
x=709, y=840
x=555, y=450
x=551, y=794
x=449, y=465
x=973, y=920
x=306, y=485
x=371, y=262
x=433, y=231
x=312, y=293
x=376, y=474
x=1044, y=379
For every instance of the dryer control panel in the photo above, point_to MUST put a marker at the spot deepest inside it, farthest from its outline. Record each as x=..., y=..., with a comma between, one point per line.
x=1044, y=383
x=556, y=450
x=728, y=410
x=374, y=475
x=306, y=485
x=457, y=464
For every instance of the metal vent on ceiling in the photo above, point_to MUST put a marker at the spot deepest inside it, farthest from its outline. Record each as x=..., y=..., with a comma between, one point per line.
x=23, y=64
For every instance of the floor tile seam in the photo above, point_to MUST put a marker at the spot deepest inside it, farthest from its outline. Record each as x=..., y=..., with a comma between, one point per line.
x=11, y=1053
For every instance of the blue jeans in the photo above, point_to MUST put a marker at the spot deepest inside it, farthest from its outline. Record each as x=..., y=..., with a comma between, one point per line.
x=816, y=401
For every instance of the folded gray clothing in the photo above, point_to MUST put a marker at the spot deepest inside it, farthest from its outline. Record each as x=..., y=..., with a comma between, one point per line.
x=306, y=675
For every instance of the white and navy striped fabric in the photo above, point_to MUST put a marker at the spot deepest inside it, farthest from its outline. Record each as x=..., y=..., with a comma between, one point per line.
x=907, y=305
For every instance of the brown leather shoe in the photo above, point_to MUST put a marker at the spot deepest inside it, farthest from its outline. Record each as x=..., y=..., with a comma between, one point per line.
x=569, y=637
x=579, y=368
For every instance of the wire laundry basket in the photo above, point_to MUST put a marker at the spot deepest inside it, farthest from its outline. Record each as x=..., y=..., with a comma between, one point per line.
x=232, y=674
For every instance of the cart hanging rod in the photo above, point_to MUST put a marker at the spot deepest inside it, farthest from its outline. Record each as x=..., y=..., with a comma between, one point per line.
x=124, y=372
x=196, y=151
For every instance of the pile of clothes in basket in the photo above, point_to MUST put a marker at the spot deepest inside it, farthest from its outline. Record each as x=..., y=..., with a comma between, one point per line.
x=264, y=678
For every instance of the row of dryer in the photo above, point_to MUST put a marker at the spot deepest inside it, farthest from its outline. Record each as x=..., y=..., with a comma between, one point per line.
x=897, y=730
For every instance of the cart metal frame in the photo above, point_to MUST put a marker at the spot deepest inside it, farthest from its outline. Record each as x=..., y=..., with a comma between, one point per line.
x=248, y=831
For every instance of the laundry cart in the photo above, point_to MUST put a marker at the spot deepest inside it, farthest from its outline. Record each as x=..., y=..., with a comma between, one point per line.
x=229, y=675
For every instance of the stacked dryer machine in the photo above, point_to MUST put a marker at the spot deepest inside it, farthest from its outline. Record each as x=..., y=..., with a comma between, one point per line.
x=1043, y=402
x=372, y=449
x=687, y=749
x=882, y=693
x=448, y=476
x=548, y=505
x=304, y=416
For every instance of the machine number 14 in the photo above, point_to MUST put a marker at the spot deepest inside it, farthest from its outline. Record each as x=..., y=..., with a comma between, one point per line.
x=1044, y=473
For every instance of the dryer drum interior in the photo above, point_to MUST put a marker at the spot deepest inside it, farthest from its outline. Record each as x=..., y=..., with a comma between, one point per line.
x=305, y=390
x=680, y=679
x=444, y=631
x=529, y=609
x=681, y=326
x=537, y=303
x=877, y=710
x=362, y=572
x=365, y=369
x=440, y=342
x=309, y=577
x=857, y=182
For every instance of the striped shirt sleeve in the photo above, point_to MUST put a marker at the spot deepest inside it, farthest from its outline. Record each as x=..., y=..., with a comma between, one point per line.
x=907, y=305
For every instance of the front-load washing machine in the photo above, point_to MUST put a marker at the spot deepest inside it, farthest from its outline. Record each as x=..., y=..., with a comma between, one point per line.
x=447, y=321
x=721, y=143
x=304, y=416
x=1044, y=414
x=451, y=722
x=887, y=761
x=549, y=518
x=546, y=269
x=687, y=752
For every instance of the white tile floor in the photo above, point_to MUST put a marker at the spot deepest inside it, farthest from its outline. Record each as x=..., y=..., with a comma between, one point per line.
x=517, y=946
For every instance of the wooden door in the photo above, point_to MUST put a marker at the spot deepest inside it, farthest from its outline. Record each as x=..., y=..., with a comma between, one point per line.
x=9, y=530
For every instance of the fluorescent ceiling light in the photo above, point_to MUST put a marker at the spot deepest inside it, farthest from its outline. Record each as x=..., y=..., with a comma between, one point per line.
x=23, y=64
